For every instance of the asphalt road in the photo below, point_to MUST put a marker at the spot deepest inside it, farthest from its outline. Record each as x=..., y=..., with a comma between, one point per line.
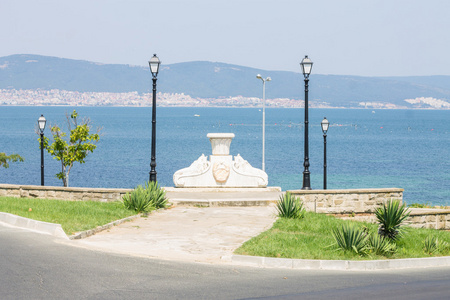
x=37, y=266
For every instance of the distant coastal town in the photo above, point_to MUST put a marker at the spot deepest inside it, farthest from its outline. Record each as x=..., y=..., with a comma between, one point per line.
x=56, y=97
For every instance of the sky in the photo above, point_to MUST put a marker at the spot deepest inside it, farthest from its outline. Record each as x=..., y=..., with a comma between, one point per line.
x=347, y=37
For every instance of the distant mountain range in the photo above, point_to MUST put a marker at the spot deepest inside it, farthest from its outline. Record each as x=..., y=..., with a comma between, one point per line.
x=213, y=80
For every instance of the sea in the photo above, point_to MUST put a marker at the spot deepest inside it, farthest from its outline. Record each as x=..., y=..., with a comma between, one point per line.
x=407, y=149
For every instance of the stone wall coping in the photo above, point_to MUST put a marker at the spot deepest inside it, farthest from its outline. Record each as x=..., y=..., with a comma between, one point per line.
x=115, y=190
x=222, y=189
x=65, y=189
x=172, y=189
x=428, y=211
x=349, y=191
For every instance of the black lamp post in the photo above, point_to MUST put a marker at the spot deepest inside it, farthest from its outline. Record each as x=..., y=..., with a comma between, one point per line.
x=306, y=68
x=154, y=67
x=41, y=123
x=324, y=125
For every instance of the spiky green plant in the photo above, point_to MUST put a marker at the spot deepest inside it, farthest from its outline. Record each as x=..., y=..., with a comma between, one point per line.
x=390, y=218
x=351, y=238
x=380, y=245
x=289, y=206
x=145, y=199
x=433, y=245
x=156, y=194
x=137, y=200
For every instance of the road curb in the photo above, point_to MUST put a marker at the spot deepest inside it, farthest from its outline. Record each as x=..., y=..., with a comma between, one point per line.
x=350, y=265
x=39, y=226
x=88, y=233
x=56, y=229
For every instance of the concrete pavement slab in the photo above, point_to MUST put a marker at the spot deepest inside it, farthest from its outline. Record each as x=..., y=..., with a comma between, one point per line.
x=201, y=234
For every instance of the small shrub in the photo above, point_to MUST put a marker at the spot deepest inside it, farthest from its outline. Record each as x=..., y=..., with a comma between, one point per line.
x=145, y=199
x=380, y=245
x=390, y=218
x=351, y=238
x=433, y=245
x=289, y=206
x=137, y=200
x=156, y=194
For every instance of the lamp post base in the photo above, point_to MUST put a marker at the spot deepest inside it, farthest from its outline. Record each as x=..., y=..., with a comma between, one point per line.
x=306, y=181
x=152, y=176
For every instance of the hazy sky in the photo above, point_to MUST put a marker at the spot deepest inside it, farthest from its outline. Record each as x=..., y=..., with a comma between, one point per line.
x=353, y=37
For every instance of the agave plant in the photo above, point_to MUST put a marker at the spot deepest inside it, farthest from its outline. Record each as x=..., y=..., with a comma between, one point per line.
x=289, y=206
x=433, y=244
x=137, y=200
x=156, y=195
x=144, y=199
x=351, y=238
x=380, y=245
x=390, y=218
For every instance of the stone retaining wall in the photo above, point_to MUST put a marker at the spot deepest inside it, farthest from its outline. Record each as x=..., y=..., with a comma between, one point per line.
x=66, y=193
x=360, y=204
x=435, y=218
x=351, y=201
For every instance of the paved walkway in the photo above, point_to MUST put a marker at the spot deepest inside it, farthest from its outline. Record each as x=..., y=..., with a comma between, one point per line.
x=207, y=234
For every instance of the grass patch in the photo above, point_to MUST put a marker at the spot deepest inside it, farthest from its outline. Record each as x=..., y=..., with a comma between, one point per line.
x=312, y=238
x=420, y=205
x=74, y=216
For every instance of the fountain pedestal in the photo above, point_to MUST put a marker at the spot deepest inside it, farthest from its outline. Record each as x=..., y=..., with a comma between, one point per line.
x=221, y=170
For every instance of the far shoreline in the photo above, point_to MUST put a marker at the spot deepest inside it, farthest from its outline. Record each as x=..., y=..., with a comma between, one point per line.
x=228, y=106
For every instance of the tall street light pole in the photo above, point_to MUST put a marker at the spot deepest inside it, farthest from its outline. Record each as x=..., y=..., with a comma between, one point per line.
x=306, y=65
x=264, y=120
x=325, y=124
x=154, y=67
x=41, y=123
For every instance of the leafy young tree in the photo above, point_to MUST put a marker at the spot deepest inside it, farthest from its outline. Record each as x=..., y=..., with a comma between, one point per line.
x=79, y=144
x=5, y=159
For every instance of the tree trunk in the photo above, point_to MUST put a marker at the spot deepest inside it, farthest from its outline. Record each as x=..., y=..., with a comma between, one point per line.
x=66, y=175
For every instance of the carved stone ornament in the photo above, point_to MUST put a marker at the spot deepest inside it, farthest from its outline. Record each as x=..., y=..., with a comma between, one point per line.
x=197, y=168
x=220, y=143
x=221, y=171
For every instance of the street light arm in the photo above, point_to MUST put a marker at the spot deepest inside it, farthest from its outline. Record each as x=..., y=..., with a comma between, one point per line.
x=263, y=80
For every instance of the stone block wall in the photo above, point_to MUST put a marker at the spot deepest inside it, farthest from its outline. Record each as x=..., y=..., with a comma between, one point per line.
x=362, y=203
x=351, y=201
x=429, y=218
x=65, y=193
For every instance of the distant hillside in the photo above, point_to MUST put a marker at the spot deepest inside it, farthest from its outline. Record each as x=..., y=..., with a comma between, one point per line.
x=212, y=80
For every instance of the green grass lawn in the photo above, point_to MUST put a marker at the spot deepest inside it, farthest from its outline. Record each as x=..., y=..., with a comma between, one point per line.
x=311, y=238
x=74, y=216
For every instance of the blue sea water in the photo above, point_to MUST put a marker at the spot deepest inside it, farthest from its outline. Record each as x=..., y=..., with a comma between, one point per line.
x=408, y=149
